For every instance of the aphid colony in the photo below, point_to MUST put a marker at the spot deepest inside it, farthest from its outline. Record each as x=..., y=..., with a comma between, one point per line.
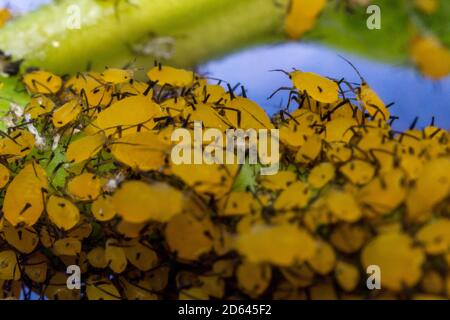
x=86, y=179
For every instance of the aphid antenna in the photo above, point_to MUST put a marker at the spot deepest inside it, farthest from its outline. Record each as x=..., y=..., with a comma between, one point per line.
x=354, y=68
x=243, y=92
x=414, y=123
x=432, y=121
x=281, y=89
x=282, y=71
x=231, y=92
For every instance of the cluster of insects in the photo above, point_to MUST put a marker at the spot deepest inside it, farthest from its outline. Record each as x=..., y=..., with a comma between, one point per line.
x=86, y=179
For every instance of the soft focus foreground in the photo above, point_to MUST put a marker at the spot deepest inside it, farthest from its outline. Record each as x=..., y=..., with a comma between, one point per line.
x=87, y=180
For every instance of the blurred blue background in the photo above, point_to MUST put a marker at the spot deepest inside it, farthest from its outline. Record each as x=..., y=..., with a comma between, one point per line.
x=413, y=94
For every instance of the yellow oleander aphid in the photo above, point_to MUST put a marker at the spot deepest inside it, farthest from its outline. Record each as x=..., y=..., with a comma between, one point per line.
x=358, y=172
x=324, y=259
x=246, y=114
x=24, y=239
x=431, y=57
x=253, y=278
x=319, y=88
x=165, y=75
x=91, y=89
x=25, y=195
x=349, y=238
x=42, y=82
x=431, y=187
x=84, y=148
x=85, y=187
x=238, y=203
x=279, y=181
x=57, y=288
x=140, y=255
x=399, y=261
x=115, y=256
x=5, y=16
x=18, y=144
x=281, y=245
x=343, y=206
x=427, y=6
x=36, y=267
x=4, y=176
x=141, y=151
x=133, y=291
x=302, y=16
x=137, y=201
x=67, y=113
x=63, y=213
x=188, y=237
x=67, y=247
x=9, y=267
x=310, y=149
x=295, y=196
x=38, y=106
x=116, y=76
x=435, y=236
x=97, y=258
x=321, y=175
x=103, y=209
x=347, y=275
x=100, y=288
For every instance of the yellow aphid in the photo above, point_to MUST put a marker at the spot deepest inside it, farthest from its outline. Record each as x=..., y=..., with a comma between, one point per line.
x=141, y=151
x=36, y=267
x=165, y=75
x=339, y=130
x=115, y=256
x=358, y=172
x=213, y=93
x=39, y=106
x=57, y=288
x=63, y=213
x=431, y=57
x=310, y=149
x=338, y=152
x=5, y=16
x=435, y=236
x=85, y=187
x=298, y=275
x=130, y=230
x=193, y=294
x=188, y=237
x=343, y=206
x=96, y=258
x=323, y=291
x=321, y=174
x=253, y=278
x=17, y=145
x=127, y=113
x=372, y=103
x=103, y=209
x=133, y=291
x=42, y=82
x=9, y=268
x=24, y=199
x=24, y=239
x=141, y=255
x=347, y=275
x=279, y=181
x=317, y=87
x=209, y=117
x=431, y=187
x=432, y=282
x=427, y=6
x=67, y=113
x=4, y=176
x=349, y=238
x=137, y=201
x=399, y=261
x=67, y=247
x=384, y=193
x=296, y=196
x=301, y=16
x=90, y=87
x=238, y=203
x=116, y=76
x=282, y=245
x=251, y=115
x=324, y=259
x=100, y=288
x=84, y=148
x=214, y=286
